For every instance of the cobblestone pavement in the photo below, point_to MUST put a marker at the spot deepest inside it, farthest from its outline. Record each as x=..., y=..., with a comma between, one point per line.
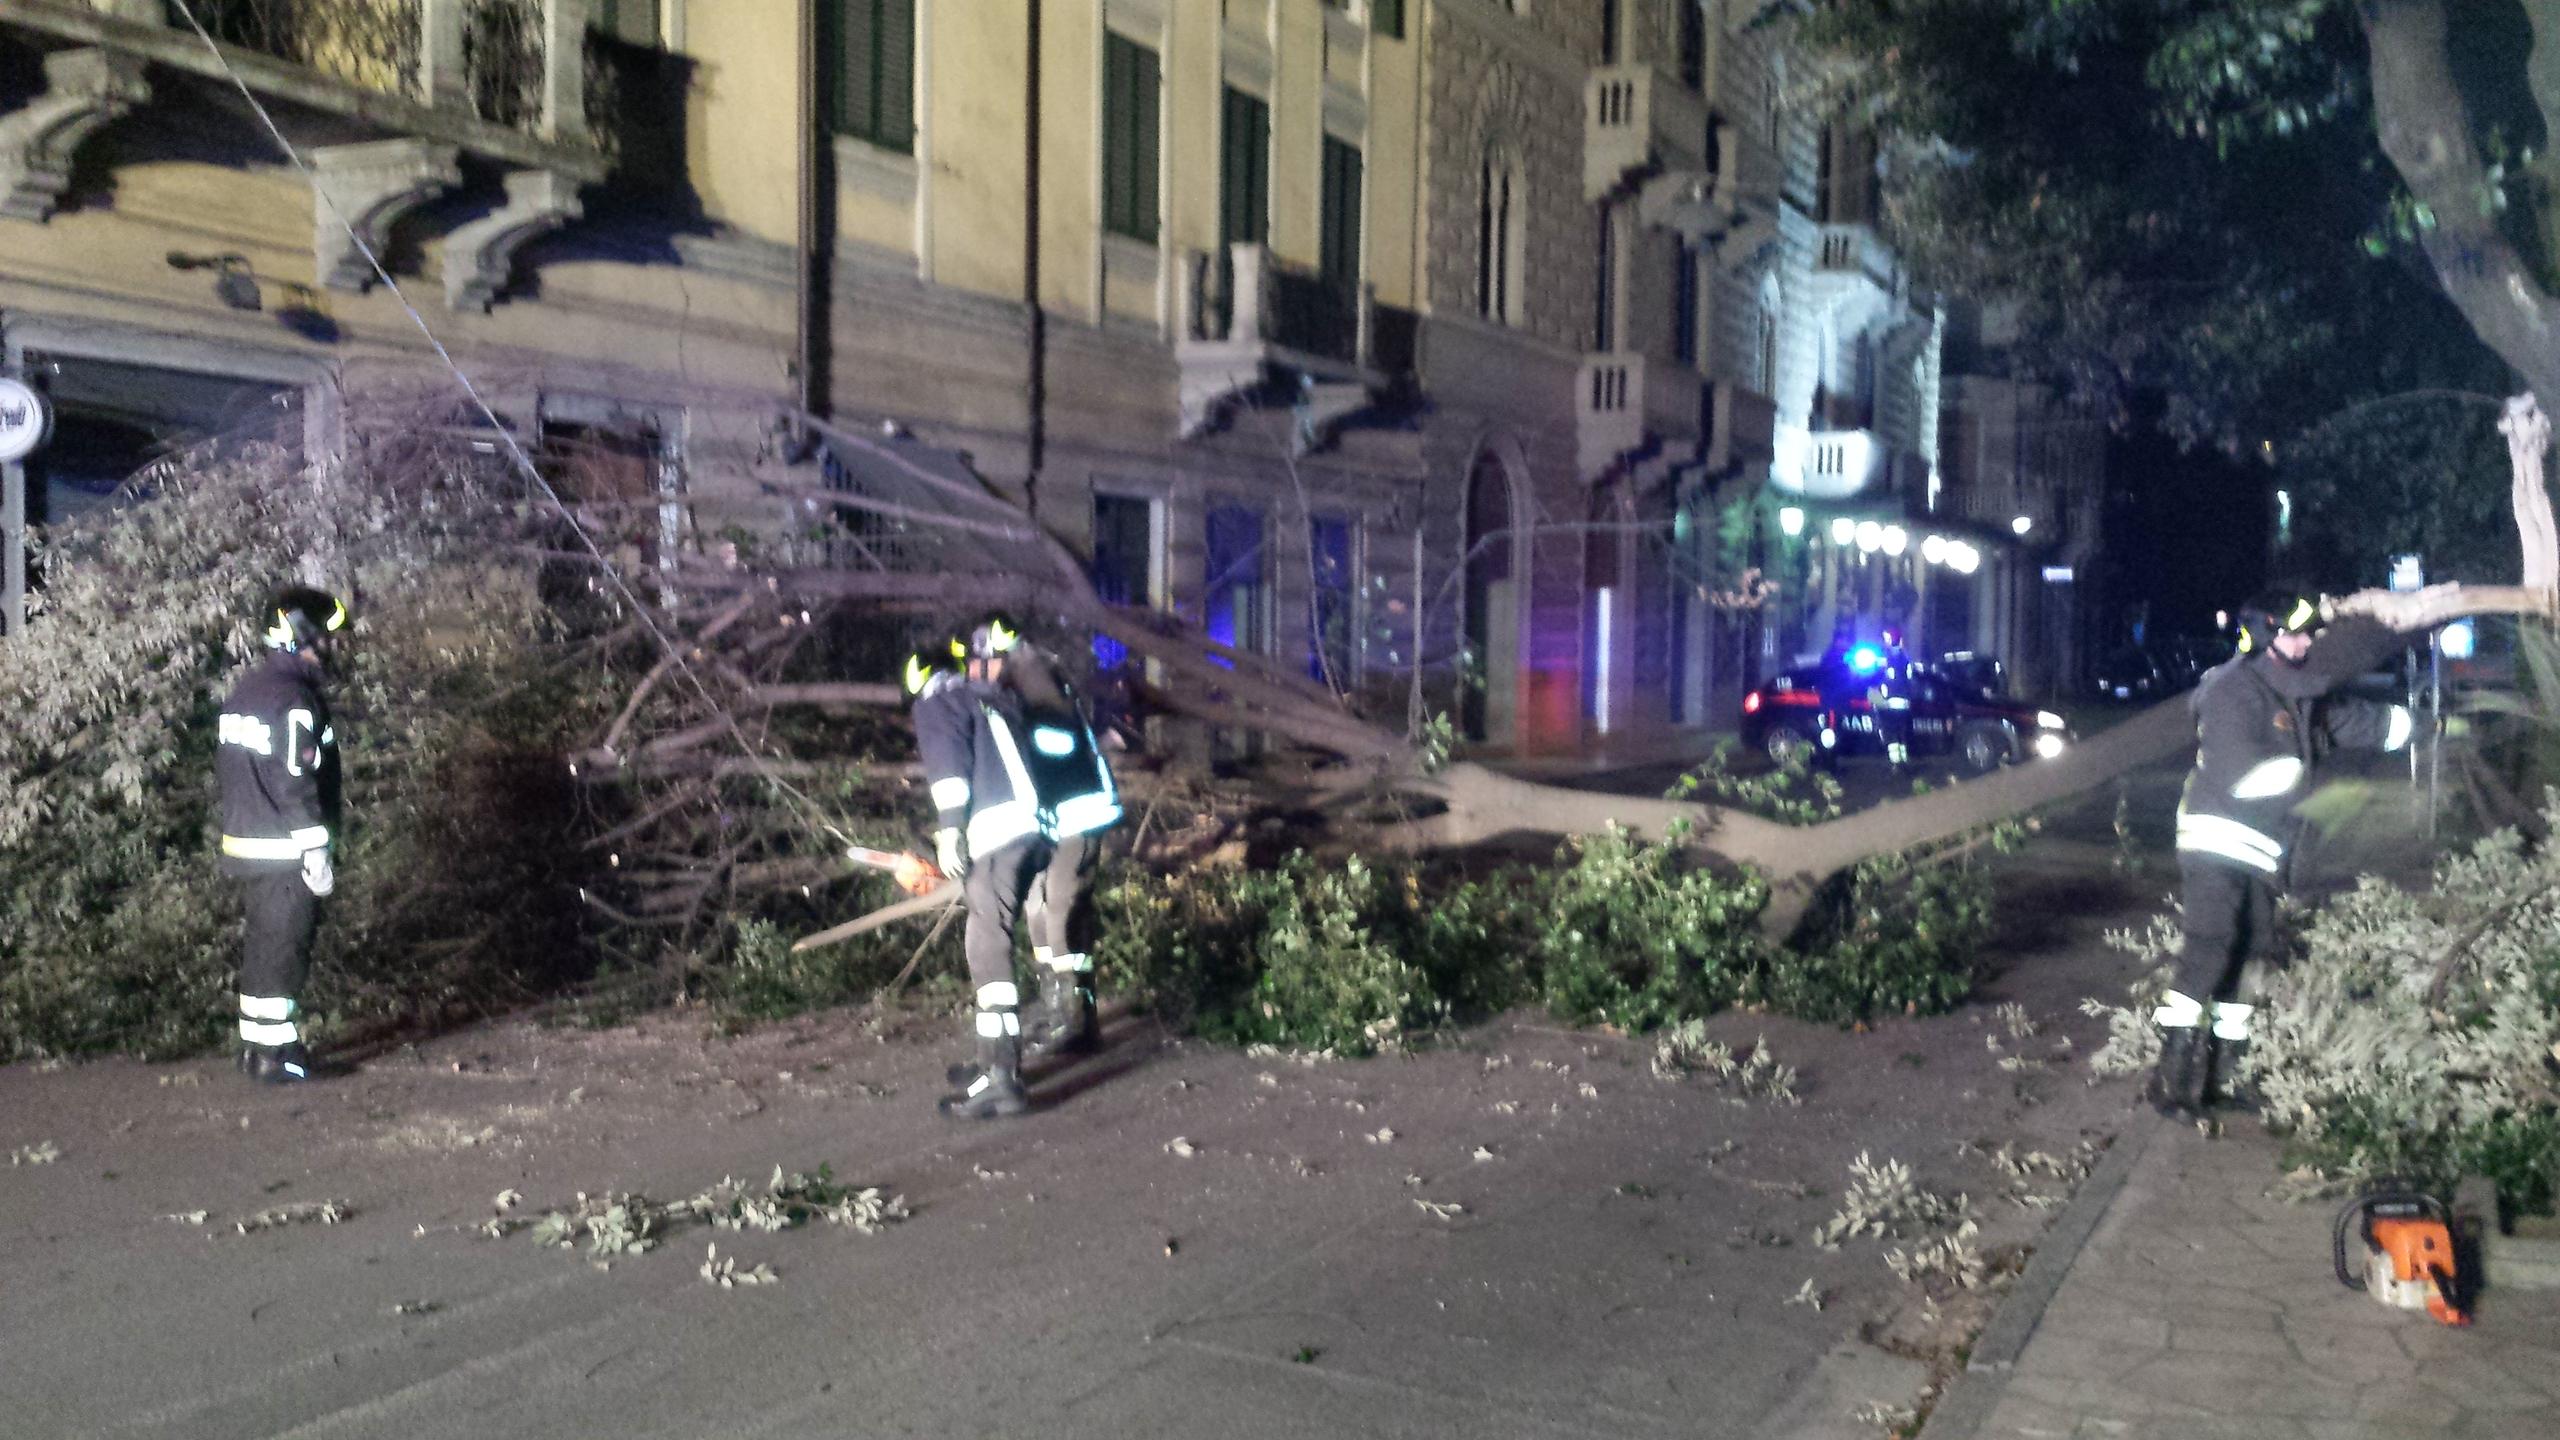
x=2200, y=1309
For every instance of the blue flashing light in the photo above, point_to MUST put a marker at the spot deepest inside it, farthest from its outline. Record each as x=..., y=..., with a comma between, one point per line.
x=1866, y=659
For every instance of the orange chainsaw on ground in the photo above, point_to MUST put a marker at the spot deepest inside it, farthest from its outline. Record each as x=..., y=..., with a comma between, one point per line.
x=915, y=874
x=2409, y=1260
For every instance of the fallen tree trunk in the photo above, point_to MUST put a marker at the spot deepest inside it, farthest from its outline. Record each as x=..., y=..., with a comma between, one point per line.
x=994, y=553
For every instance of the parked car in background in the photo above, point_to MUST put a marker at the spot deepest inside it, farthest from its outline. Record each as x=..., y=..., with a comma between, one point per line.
x=1974, y=672
x=2185, y=658
x=2127, y=673
x=2161, y=668
x=1822, y=713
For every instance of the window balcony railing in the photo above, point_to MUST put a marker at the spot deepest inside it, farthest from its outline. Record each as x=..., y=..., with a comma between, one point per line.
x=522, y=82
x=1856, y=250
x=1244, y=318
x=1255, y=300
x=1631, y=408
x=1638, y=121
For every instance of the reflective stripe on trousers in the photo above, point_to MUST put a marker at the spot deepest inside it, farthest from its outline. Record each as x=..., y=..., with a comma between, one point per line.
x=268, y=1020
x=287, y=847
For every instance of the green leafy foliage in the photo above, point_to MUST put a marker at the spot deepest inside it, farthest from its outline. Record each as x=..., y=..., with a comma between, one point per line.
x=2178, y=196
x=2377, y=1077
x=1637, y=937
x=1793, y=794
x=1891, y=937
x=456, y=885
x=763, y=978
x=1617, y=931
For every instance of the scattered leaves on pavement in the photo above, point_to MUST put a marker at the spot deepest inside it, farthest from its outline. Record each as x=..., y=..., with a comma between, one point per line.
x=723, y=1271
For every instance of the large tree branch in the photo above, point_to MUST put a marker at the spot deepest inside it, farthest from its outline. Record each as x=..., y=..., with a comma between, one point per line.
x=2425, y=128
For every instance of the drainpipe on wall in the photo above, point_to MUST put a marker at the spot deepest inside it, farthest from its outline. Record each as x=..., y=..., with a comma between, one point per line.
x=1036, y=358
x=810, y=342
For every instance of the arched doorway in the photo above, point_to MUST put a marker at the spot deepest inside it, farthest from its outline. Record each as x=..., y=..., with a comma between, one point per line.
x=1489, y=691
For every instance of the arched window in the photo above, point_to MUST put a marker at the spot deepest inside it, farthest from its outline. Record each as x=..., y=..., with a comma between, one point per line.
x=1765, y=352
x=1499, y=209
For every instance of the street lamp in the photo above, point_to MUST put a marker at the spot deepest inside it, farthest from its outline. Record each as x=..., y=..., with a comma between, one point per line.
x=1895, y=538
x=1791, y=520
x=1934, y=549
x=2022, y=524
x=1843, y=530
x=1870, y=536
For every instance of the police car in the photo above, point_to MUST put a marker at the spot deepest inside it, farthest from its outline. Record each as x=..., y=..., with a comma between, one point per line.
x=1820, y=713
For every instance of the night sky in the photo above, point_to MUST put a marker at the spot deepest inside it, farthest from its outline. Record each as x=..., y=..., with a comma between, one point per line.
x=2186, y=534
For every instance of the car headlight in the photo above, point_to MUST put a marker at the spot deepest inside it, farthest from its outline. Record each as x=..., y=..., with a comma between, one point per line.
x=2047, y=720
x=2048, y=745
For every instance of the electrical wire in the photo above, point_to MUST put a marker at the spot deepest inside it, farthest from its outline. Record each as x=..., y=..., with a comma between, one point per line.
x=523, y=463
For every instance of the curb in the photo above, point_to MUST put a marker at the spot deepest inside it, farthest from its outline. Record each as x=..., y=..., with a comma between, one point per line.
x=1978, y=1388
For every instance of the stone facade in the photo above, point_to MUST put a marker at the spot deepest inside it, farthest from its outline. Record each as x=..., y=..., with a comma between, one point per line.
x=1501, y=519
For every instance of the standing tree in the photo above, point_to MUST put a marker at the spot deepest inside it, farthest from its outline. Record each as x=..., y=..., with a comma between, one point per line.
x=2331, y=212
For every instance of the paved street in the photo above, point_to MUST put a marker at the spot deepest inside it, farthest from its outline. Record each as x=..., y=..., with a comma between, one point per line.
x=1522, y=1234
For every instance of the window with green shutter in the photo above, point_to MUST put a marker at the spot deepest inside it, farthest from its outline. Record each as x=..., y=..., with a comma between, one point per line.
x=1339, y=245
x=1244, y=171
x=873, y=90
x=1131, y=85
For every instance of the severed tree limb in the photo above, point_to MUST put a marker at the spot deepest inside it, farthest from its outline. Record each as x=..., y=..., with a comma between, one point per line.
x=2449, y=963
x=946, y=894
x=2414, y=610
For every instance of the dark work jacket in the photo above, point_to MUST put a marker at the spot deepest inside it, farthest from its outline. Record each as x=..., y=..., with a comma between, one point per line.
x=1001, y=766
x=277, y=762
x=2262, y=728
x=973, y=740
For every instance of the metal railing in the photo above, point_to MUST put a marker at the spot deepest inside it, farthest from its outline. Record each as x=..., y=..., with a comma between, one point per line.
x=523, y=64
x=1246, y=297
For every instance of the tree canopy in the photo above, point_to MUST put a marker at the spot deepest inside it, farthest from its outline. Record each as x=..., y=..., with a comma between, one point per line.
x=2204, y=200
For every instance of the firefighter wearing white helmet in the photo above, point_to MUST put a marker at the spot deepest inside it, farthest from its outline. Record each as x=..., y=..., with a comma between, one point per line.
x=277, y=763
x=2265, y=719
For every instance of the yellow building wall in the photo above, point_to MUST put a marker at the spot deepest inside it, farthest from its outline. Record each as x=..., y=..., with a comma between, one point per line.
x=1071, y=156
x=1297, y=132
x=978, y=55
x=1193, y=82
x=742, y=115
x=1394, y=167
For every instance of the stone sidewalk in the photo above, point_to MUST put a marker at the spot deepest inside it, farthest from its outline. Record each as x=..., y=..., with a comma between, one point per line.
x=2185, y=1305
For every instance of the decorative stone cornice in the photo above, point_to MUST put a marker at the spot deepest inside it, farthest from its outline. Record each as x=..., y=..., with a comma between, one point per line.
x=479, y=258
x=84, y=89
x=371, y=187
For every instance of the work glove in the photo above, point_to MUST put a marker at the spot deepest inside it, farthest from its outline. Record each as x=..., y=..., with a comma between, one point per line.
x=317, y=876
x=950, y=854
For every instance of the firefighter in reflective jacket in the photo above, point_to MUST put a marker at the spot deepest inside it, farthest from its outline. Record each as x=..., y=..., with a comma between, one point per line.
x=277, y=761
x=2264, y=721
x=987, y=747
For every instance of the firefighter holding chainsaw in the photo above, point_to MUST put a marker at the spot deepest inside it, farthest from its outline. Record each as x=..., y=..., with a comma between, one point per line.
x=1021, y=792
x=2265, y=719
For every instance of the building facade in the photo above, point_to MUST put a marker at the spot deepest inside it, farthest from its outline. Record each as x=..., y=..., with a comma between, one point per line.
x=1517, y=345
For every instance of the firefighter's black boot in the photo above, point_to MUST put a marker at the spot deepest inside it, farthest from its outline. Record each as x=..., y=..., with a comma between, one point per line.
x=1067, y=1024
x=286, y=1064
x=2230, y=1087
x=993, y=1087
x=2178, y=1082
